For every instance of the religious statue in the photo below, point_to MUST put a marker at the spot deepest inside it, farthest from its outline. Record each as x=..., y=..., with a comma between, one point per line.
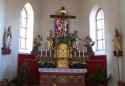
x=117, y=42
x=7, y=41
x=50, y=39
x=74, y=40
x=36, y=43
x=7, y=38
x=88, y=44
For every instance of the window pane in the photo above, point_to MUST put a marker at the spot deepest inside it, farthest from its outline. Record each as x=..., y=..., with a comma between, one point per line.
x=99, y=15
x=99, y=24
x=103, y=34
x=100, y=47
x=103, y=23
x=102, y=15
x=99, y=34
x=23, y=22
x=23, y=13
x=23, y=33
x=103, y=44
x=23, y=43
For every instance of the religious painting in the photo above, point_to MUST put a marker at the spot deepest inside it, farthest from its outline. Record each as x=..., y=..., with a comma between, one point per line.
x=61, y=27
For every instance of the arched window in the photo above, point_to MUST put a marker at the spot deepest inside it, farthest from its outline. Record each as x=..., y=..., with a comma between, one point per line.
x=100, y=38
x=97, y=30
x=26, y=29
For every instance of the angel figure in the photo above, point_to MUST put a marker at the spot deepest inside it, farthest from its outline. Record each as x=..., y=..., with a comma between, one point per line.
x=89, y=43
x=117, y=42
x=74, y=40
x=37, y=42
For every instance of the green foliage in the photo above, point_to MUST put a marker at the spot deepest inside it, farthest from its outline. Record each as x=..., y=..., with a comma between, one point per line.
x=24, y=77
x=100, y=77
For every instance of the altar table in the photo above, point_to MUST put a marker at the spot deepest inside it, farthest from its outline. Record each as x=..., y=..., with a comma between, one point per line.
x=62, y=77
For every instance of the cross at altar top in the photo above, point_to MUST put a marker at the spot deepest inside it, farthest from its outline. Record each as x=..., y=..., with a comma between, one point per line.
x=63, y=14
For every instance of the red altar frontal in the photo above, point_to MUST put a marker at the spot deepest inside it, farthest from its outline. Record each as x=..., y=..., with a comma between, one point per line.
x=62, y=77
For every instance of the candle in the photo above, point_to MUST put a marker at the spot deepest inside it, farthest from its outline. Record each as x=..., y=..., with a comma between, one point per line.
x=41, y=53
x=46, y=52
x=50, y=53
x=79, y=53
x=83, y=53
x=75, y=53
x=71, y=55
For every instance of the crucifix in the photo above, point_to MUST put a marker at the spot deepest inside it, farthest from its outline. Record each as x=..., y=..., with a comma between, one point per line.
x=63, y=15
x=62, y=22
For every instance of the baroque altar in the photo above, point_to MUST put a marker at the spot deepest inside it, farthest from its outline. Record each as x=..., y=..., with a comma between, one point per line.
x=62, y=63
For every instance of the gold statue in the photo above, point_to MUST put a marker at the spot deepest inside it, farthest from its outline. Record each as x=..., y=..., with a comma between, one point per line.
x=50, y=39
x=117, y=41
x=74, y=40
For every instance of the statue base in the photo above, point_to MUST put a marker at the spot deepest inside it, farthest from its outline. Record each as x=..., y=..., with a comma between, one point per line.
x=6, y=51
x=120, y=53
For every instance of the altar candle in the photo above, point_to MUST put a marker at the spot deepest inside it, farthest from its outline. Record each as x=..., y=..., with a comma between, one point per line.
x=46, y=52
x=75, y=53
x=50, y=53
x=79, y=53
x=41, y=53
x=71, y=56
x=83, y=53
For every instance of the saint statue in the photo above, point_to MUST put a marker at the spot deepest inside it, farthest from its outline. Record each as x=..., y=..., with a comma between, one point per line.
x=7, y=38
x=117, y=42
x=50, y=39
x=36, y=43
x=88, y=44
x=74, y=40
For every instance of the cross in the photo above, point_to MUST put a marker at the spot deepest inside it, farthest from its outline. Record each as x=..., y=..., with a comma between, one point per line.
x=63, y=15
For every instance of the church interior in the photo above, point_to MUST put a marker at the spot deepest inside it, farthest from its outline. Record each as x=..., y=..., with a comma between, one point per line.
x=62, y=43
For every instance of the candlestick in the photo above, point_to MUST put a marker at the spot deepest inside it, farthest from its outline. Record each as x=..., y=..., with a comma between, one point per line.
x=50, y=53
x=71, y=56
x=46, y=52
x=83, y=53
x=75, y=53
x=79, y=53
x=41, y=53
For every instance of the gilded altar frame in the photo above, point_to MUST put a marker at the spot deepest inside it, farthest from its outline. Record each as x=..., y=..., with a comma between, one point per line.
x=63, y=53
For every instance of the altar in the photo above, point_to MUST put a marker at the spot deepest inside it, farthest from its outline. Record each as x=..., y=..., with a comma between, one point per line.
x=62, y=63
x=62, y=77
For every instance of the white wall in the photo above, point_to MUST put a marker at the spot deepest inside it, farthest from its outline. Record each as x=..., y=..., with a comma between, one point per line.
x=2, y=24
x=14, y=8
x=122, y=23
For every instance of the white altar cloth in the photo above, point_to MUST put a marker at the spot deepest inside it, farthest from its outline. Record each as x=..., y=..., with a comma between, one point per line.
x=62, y=70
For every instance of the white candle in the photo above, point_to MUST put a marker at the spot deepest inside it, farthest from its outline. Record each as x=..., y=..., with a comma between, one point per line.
x=79, y=53
x=41, y=53
x=46, y=52
x=75, y=53
x=50, y=53
x=83, y=53
x=71, y=55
